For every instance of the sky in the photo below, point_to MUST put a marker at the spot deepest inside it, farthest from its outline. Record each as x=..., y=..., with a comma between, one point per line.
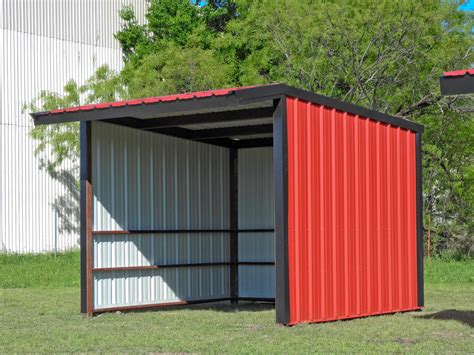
x=468, y=6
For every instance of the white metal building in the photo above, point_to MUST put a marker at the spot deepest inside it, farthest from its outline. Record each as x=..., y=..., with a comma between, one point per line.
x=43, y=44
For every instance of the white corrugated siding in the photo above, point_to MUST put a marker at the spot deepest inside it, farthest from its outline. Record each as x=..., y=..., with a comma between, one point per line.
x=256, y=212
x=44, y=43
x=84, y=21
x=146, y=181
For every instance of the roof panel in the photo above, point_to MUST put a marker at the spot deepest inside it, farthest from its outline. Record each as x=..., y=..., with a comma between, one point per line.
x=211, y=101
x=149, y=100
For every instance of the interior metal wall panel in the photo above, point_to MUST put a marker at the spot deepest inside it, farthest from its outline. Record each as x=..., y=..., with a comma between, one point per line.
x=122, y=250
x=351, y=215
x=151, y=287
x=256, y=211
x=257, y=281
x=147, y=181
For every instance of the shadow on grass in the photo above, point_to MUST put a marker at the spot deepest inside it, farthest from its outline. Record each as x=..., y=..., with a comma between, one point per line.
x=465, y=317
x=223, y=306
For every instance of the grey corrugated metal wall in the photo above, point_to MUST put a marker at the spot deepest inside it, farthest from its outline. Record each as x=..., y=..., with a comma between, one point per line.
x=43, y=44
x=256, y=211
x=144, y=181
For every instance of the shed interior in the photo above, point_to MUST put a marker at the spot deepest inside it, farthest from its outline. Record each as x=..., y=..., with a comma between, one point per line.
x=183, y=207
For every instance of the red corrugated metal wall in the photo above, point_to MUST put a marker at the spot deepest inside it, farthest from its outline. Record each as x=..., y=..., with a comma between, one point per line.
x=351, y=215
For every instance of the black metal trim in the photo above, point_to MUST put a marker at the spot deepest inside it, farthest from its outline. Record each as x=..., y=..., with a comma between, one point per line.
x=257, y=263
x=257, y=299
x=193, y=119
x=234, y=223
x=457, y=85
x=174, y=131
x=154, y=267
x=85, y=177
x=254, y=143
x=274, y=91
x=419, y=220
x=223, y=132
x=280, y=156
x=142, y=111
x=168, y=266
x=180, y=231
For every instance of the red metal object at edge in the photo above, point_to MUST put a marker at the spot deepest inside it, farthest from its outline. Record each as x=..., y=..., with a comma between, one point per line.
x=459, y=72
x=351, y=215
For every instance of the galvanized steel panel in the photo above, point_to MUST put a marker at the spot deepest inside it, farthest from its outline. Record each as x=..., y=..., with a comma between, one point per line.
x=257, y=281
x=132, y=288
x=122, y=250
x=256, y=211
x=147, y=181
x=256, y=188
x=143, y=180
x=351, y=215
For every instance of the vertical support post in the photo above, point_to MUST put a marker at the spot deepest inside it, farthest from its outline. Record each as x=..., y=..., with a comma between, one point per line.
x=280, y=157
x=234, y=224
x=419, y=220
x=86, y=219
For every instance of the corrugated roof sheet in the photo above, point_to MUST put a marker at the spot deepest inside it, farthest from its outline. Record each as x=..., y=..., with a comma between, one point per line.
x=459, y=72
x=150, y=100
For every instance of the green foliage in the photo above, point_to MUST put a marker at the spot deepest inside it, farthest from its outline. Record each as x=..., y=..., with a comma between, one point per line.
x=177, y=69
x=63, y=139
x=384, y=55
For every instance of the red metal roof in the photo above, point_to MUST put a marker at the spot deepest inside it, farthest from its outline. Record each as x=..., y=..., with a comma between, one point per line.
x=459, y=72
x=150, y=100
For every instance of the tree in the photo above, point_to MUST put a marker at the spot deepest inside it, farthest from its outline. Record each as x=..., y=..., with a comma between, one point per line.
x=384, y=55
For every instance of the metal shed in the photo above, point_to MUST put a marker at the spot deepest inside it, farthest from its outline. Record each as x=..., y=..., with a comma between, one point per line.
x=264, y=193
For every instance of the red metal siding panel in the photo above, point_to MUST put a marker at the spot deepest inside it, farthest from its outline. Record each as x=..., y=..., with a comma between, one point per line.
x=351, y=215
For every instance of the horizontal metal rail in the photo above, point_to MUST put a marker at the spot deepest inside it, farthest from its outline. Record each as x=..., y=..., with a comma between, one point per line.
x=180, y=231
x=260, y=299
x=153, y=267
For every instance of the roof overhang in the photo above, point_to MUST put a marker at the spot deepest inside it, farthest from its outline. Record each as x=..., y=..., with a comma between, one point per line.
x=241, y=117
x=457, y=82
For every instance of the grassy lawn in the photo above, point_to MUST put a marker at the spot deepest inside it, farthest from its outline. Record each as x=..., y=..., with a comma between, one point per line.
x=39, y=303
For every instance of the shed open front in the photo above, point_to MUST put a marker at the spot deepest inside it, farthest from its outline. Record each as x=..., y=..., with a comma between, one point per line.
x=263, y=193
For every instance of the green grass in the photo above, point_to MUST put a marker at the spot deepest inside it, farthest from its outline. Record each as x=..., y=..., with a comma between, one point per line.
x=40, y=270
x=441, y=271
x=48, y=271
x=39, y=304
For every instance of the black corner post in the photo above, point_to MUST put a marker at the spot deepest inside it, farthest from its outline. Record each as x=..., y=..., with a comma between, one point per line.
x=280, y=158
x=86, y=218
x=419, y=220
x=234, y=224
